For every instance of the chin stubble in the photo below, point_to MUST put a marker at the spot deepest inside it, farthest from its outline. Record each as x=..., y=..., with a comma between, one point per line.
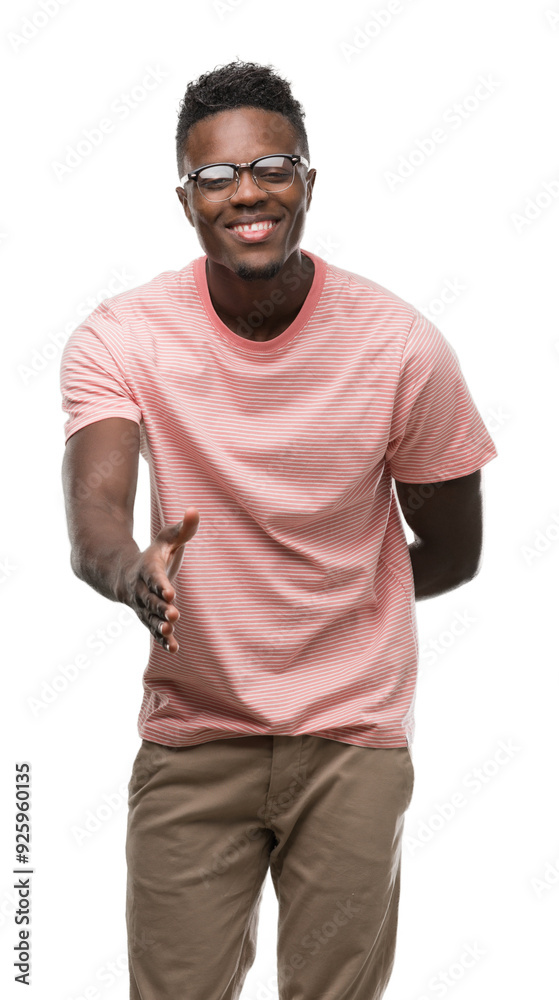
x=265, y=272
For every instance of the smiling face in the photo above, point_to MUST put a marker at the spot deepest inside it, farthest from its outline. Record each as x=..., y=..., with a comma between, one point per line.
x=239, y=136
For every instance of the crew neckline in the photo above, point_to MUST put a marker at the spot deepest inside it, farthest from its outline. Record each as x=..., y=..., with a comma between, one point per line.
x=266, y=346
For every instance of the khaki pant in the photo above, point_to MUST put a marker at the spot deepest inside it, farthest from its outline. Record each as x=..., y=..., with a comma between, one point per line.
x=204, y=825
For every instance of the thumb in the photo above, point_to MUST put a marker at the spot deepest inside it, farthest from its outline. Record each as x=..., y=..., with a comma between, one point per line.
x=186, y=528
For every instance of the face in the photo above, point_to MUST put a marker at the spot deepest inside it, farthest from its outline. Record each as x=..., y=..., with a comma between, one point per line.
x=239, y=136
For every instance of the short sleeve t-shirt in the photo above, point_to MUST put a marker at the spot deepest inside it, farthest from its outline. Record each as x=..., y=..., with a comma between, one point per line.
x=296, y=595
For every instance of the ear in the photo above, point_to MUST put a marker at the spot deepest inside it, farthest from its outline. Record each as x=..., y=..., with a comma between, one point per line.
x=309, y=181
x=183, y=198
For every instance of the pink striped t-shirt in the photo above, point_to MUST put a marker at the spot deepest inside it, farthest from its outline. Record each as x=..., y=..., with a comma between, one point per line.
x=296, y=594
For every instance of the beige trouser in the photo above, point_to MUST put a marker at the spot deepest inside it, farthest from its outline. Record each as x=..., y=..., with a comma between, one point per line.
x=206, y=822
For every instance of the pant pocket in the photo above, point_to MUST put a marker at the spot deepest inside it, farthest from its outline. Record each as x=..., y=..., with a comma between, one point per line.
x=148, y=760
x=411, y=774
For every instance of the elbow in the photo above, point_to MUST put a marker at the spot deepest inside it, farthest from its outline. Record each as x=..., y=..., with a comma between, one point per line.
x=466, y=561
x=76, y=564
x=467, y=571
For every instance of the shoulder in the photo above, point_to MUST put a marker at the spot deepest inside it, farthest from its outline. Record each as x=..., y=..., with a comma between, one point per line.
x=121, y=320
x=367, y=299
x=389, y=321
x=163, y=289
x=360, y=285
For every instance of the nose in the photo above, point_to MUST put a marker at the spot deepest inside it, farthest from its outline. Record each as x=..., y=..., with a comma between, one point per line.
x=248, y=192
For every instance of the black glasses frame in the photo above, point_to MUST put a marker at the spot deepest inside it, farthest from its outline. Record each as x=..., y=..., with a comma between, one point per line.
x=193, y=175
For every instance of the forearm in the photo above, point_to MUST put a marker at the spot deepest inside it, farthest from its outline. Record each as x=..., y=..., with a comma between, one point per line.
x=433, y=573
x=102, y=547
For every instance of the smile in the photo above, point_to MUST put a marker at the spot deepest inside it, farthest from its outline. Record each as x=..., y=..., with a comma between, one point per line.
x=255, y=232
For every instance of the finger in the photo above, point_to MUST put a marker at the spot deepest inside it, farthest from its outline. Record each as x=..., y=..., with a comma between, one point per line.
x=159, y=629
x=148, y=599
x=158, y=584
x=153, y=612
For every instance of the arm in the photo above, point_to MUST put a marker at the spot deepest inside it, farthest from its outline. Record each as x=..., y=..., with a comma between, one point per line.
x=446, y=519
x=99, y=476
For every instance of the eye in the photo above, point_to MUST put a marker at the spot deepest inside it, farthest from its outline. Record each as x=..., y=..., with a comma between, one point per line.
x=214, y=183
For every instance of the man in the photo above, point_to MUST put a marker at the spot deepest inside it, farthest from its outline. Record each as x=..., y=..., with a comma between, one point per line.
x=274, y=397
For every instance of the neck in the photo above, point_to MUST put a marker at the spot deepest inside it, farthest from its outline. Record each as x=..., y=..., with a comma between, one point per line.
x=262, y=305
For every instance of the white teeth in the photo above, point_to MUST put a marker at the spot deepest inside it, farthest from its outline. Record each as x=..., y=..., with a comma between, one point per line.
x=254, y=227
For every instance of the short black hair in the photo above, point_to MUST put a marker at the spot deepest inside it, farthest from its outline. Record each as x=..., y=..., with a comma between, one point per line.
x=238, y=85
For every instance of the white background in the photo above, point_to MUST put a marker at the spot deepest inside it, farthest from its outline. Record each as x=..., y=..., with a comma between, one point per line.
x=474, y=214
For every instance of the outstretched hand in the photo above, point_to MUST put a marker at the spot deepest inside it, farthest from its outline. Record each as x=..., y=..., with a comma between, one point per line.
x=147, y=581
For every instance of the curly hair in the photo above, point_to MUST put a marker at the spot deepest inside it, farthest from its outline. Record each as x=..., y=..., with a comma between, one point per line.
x=238, y=85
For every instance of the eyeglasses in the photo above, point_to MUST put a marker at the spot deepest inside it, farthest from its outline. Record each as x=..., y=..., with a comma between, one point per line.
x=220, y=181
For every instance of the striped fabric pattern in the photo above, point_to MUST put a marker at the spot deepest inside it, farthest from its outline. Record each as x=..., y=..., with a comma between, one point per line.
x=296, y=594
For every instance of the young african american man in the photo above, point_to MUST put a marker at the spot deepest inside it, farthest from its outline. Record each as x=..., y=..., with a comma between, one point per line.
x=275, y=397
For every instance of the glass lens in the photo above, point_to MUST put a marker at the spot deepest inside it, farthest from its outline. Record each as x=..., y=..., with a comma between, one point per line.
x=217, y=182
x=274, y=173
